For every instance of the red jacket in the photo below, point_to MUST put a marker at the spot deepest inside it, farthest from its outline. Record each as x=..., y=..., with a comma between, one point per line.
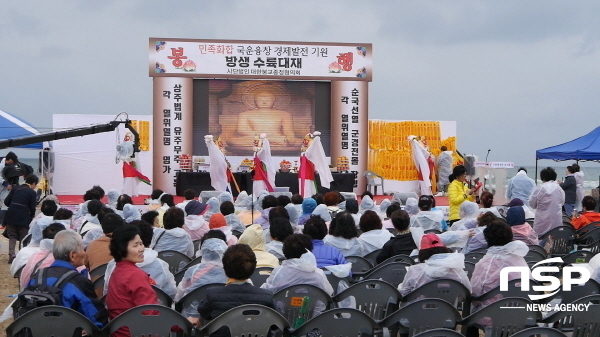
x=128, y=287
x=585, y=218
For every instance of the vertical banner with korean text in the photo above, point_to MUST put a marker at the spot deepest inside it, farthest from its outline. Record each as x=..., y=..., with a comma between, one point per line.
x=173, y=113
x=349, y=127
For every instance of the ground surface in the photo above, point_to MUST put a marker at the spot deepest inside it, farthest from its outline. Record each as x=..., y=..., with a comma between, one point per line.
x=8, y=284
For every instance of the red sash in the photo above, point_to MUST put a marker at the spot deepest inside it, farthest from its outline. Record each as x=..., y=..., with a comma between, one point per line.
x=260, y=174
x=307, y=171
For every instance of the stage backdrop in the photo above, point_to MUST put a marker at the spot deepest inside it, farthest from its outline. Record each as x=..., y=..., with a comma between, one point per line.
x=226, y=88
x=83, y=162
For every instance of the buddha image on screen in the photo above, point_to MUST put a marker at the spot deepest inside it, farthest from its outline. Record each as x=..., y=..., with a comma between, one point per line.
x=284, y=115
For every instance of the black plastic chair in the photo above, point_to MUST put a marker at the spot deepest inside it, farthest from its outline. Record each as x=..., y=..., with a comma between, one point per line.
x=99, y=285
x=503, y=318
x=398, y=258
x=246, y=320
x=149, y=320
x=589, y=227
x=98, y=271
x=25, y=242
x=440, y=333
x=52, y=320
x=179, y=276
x=162, y=297
x=392, y=273
x=534, y=256
x=359, y=264
x=469, y=268
x=375, y=298
x=538, y=249
x=448, y=290
x=539, y=332
x=18, y=273
x=423, y=315
x=176, y=260
x=196, y=295
x=588, y=237
x=593, y=247
x=581, y=323
x=564, y=239
x=334, y=280
x=580, y=256
x=591, y=287
x=197, y=244
x=474, y=257
x=434, y=231
x=340, y=322
x=514, y=291
x=289, y=301
x=372, y=257
x=260, y=275
x=192, y=263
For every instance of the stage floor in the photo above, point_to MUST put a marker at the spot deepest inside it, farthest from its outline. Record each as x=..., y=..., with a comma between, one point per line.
x=78, y=199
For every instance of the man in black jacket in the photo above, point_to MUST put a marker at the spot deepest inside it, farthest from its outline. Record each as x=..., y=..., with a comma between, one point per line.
x=403, y=242
x=239, y=262
x=570, y=188
x=21, y=202
x=13, y=169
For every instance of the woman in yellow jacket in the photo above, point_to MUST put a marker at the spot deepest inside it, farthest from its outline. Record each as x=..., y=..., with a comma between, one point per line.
x=458, y=192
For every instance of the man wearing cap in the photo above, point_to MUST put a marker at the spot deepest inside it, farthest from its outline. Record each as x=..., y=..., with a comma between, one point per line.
x=520, y=186
x=195, y=225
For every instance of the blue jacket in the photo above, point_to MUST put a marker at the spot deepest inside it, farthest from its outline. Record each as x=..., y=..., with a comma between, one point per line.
x=327, y=255
x=78, y=294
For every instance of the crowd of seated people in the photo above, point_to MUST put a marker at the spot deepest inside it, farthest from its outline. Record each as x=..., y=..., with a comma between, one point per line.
x=297, y=237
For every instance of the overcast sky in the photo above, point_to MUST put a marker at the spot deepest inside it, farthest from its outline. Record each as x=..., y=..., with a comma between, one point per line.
x=516, y=75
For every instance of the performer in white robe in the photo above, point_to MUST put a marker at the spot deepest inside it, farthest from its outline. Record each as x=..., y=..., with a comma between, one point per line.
x=264, y=169
x=313, y=159
x=131, y=175
x=420, y=157
x=219, y=168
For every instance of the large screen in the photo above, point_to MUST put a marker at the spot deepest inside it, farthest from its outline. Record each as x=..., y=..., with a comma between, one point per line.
x=237, y=111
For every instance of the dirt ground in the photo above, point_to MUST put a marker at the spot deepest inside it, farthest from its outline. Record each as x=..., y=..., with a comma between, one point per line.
x=8, y=284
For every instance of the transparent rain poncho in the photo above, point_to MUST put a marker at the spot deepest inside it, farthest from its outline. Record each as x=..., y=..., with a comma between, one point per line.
x=293, y=213
x=547, y=200
x=427, y=220
x=92, y=235
x=469, y=211
x=520, y=186
x=113, y=197
x=438, y=266
x=240, y=201
x=412, y=206
x=374, y=239
x=385, y=203
x=486, y=275
x=195, y=226
x=213, y=207
x=259, y=200
x=367, y=204
x=322, y=211
x=302, y=270
x=396, y=198
x=37, y=227
x=131, y=213
x=176, y=239
x=308, y=206
x=348, y=247
x=153, y=266
x=234, y=223
x=210, y=270
x=225, y=196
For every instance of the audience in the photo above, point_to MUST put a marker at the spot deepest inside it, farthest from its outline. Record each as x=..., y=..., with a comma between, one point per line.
x=129, y=286
x=173, y=237
x=217, y=221
x=300, y=267
x=43, y=258
x=403, y=242
x=486, y=201
x=123, y=200
x=213, y=206
x=98, y=251
x=547, y=200
x=373, y=236
x=332, y=199
x=352, y=208
x=228, y=210
x=588, y=215
x=268, y=202
x=297, y=200
x=477, y=241
x=412, y=206
x=343, y=235
x=254, y=237
x=279, y=229
x=151, y=217
x=326, y=255
x=239, y=262
x=521, y=230
x=78, y=294
x=209, y=271
x=387, y=221
x=366, y=204
x=188, y=196
x=195, y=225
x=112, y=198
x=130, y=214
x=468, y=211
x=426, y=218
x=502, y=252
x=91, y=219
x=308, y=206
x=437, y=262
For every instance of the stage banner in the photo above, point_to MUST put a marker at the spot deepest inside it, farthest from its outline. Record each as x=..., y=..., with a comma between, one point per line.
x=349, y=128
x=260, y=59
x=173, y=114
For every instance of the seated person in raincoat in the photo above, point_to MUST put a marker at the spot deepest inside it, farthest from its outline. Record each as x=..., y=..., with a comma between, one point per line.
x=195, y=225
x=152, y=265
x=588, y=215
x=478, y=241
x=280, y=228
x=173, y=237
x=387, y=221
x=326, y=255
x=322, y=212
x=437, y=262
x=267, y=202
x=299, y=268
x=228, y=210
x=343, y=235
x=468, y=211
x=308, y=206
x=217, y=221
x=502, y=252
x=214, y=206
x=412, y=207
x=403, y=242
x=522, y=231
x=254, y=236
x=373, y=236
x=367, y=204
x=426, y=218
x=210, y=270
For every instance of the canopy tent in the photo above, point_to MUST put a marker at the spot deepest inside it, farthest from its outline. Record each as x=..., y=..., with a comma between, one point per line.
x=13, y=127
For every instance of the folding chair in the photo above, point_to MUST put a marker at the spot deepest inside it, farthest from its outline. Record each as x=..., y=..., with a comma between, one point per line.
x=52, y=320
